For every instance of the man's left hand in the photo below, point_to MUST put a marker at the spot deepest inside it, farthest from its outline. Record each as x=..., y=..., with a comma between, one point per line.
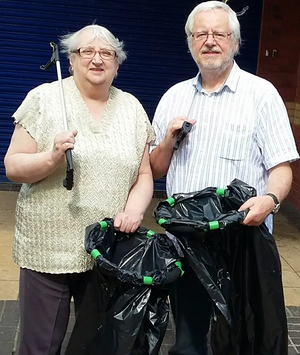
x=259, y=208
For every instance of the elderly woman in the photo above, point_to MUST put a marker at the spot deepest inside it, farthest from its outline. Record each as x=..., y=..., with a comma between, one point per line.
x=109, y=135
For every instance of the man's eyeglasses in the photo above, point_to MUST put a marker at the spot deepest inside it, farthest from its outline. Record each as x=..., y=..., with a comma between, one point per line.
x=218, y=36
x=90, y=52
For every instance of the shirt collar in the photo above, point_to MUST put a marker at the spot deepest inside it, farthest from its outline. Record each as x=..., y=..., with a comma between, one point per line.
x=231, y=82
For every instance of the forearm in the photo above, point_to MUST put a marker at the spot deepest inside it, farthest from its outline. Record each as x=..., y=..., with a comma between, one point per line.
x=160, y=158
x=280, y=181
x=140, y=195
x=29, y=168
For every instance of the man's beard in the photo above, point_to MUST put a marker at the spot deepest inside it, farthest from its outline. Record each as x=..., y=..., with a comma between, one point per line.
x=214, y=65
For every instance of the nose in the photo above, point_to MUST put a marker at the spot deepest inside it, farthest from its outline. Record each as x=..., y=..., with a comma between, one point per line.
x=210, y=39
x=97, y=58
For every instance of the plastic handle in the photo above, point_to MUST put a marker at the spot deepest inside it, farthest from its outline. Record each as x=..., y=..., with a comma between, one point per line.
x=186, y=128
x=69, y=180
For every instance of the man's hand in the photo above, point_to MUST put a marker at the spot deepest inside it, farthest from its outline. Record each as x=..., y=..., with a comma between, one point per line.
x=161, y=156
x=259, y=208
x=173, y=128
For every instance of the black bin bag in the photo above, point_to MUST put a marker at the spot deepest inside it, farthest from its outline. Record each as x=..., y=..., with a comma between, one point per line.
x=125, y=309
x=238, y=265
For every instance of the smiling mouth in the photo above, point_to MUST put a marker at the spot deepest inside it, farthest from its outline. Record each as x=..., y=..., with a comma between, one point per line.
x=210, y=52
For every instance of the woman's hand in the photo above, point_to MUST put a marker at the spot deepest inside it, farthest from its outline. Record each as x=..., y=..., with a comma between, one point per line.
x=62, y=142
x=128, y=221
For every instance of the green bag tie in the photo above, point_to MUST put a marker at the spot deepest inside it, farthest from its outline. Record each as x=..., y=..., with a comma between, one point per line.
x=179, y=265
x=170, y=201
x=162, y=221
x=147, y=280
x=214, y=225
x=221, y=192
x=103, y=225
x=149, y=233
x=95, y=253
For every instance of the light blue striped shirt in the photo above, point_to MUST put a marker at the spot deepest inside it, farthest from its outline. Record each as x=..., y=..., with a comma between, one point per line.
x=242, y=131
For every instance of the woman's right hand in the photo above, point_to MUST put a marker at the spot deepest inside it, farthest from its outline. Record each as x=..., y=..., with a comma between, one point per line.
x=62, y=142
x=24, y=164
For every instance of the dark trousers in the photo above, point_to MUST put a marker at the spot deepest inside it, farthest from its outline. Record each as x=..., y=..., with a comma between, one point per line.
x=45, y=309
x=191, y=308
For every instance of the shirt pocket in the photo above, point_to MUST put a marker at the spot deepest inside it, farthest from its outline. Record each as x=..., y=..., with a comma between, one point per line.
x=234, y=142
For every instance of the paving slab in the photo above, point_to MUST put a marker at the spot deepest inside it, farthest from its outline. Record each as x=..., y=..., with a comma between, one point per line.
x=9, y=330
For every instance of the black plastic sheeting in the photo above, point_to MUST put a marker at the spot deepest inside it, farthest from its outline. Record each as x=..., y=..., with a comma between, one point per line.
x=239, y=266
x=125, y=310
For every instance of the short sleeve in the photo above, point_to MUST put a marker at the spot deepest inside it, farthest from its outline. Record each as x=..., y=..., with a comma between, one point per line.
x=274, y=134
x=28, y=113
x=159, y=122
x=150, y=132
x=145, y=130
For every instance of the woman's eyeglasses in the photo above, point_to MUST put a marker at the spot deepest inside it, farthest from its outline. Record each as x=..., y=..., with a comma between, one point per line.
x=90, y=52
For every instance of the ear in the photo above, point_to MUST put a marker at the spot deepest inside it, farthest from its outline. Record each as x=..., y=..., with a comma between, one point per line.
x=236, y=48
x=116, y=72
x=71, y=60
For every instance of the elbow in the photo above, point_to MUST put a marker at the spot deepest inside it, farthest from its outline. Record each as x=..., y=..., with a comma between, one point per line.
x=9, y=171
x=159, y=163
x=11, y=176
x=157, y=173
x=13, y=173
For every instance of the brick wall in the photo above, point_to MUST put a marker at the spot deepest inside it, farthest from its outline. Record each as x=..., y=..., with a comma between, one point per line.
x=280, y=40
x=298, y=81
x=280, y=32
x=294, y=195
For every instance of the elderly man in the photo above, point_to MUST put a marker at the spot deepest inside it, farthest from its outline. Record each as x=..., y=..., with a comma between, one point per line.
x=240, y=130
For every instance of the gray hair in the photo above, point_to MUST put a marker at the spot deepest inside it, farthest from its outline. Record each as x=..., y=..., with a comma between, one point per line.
x=210, y=5
x=69, y=42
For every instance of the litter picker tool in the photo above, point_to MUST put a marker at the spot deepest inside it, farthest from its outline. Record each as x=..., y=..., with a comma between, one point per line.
x=68, y=181
x=186, y=127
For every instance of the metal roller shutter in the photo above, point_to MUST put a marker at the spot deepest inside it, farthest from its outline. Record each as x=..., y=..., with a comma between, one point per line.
x=152, y=30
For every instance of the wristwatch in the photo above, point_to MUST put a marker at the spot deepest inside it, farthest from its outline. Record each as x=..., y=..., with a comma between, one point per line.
x=277, y=203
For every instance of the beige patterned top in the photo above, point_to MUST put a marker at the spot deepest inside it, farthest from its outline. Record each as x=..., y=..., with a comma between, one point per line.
x=50, y=220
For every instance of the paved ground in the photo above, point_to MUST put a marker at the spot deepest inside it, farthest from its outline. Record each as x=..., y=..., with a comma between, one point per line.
x=9, y=322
